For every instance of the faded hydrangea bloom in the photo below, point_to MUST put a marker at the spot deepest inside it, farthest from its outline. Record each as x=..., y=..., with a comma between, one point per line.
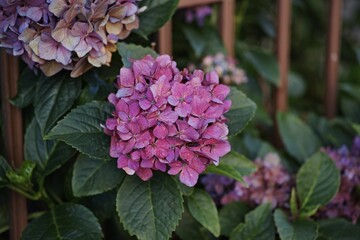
x=225, y=67
x=270, y=183
x=167, y=120
x=198, y=14
x=65, y=34
x=347, y=202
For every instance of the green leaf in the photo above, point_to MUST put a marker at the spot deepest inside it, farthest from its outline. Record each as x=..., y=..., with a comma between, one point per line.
x=298, y=230
x=233, y=165
x=265, y=64
x=356, y=127
x=68, y=221
x=129, y=52
x=188, y=228
x=241, y=112
x=293, y=203
x=93, y=176
x=298, y=138
x=4, y=168
x=185, y=190
x=232, y=215
x=150, y=210
x=54, y=96
x=22, y=175
x=48, y=155
x=203, y=209
x=203, y=40
x=317, y=182
x=26, y=88
x=296, y=85
x=81, y=129
x=259, y=225
x=338, y=229
x=158, y=12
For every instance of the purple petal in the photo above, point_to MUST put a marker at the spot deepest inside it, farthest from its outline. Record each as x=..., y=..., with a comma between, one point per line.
x=160, y=131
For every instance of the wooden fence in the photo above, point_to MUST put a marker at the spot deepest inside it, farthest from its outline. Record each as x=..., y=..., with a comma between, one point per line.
x=12, y=117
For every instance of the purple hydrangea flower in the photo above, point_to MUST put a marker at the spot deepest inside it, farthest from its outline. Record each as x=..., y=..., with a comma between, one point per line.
x=198, y=14
x=65, y=34
x=270, y=183
x=346, y=203
x=167, y=120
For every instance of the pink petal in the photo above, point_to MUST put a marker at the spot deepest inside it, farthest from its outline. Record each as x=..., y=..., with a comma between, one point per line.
x=189, y=177
x=172, y=100
x=143, y=140
x=160, y=131
x=126, y=78
x=124, y=92
x=144, y=173
x=168, y=116
x=175, y=168
x=122, y=161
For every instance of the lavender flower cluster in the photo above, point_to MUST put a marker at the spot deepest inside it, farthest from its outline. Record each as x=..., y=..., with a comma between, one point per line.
x=270, y=183
x=198, y=14
x=347, y=202
x=65, y=34
x=167, y=120
x=225, y=67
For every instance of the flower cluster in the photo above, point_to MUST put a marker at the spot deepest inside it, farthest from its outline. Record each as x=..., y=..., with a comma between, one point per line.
x=198, y=14
x=65, y=34
x=167, y=120
x=269, y=183
x=225, y=67
x=347, y=202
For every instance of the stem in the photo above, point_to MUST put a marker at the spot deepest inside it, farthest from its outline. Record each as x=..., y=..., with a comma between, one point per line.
x=32, y=196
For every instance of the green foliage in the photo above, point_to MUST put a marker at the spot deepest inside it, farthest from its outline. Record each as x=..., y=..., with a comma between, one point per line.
x=157, y=13
x=26, y=88
x=265, y=64
x=232, y=215
x=203, y=209
x=54, y=96
x=203, y=40
x=22, y=176
x=188, y=228
x=298, y=138
x=298, y=230
x=68, y=221
x=233, y=165
x=4, y=168
x=317, y=182
x=259, y=225
x=48, y=155
x=93, y=176
x=338, y=229
x=150, y=210
x=241, y=112
x=130, y=52
x=81, y=129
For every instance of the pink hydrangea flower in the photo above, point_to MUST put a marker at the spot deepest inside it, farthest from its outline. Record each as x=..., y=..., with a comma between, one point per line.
x=74, y=35
x=167, y=120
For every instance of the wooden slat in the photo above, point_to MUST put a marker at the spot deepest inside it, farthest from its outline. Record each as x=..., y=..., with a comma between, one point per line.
x=194, y=3
x=13, y=131
x=332, y=57
x=165, y=39
x=227, y=25
x=283, y=38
